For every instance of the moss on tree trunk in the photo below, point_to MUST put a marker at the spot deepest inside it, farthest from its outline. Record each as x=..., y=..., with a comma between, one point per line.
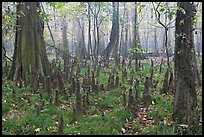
x=31, y=53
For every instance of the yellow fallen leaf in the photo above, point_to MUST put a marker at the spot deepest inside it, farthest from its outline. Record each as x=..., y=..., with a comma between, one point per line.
x=153, y=102
x=37, y=129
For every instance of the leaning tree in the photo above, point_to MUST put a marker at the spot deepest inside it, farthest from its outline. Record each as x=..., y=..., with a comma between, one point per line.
x=185, y=100
x=114, y=32
x=29, y=57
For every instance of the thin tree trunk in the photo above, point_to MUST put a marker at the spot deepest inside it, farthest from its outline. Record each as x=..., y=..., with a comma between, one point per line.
x=136, y=41
x=89, y=33
x=12, y=70
x=66, y=49
x=117, y=41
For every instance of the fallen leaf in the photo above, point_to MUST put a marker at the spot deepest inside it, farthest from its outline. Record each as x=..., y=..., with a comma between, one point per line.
x=123, y=130
x=37, y=129
x=153, y=102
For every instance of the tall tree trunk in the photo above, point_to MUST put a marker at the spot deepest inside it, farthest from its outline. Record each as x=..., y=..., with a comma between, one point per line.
x=12, y=70
x=117, y=41
x=121, y=33
x=65, y=47
x=89, y=33
x=185, y=100
x=95, y=40
x=31, y=54
x=136, y=40
x=114, y=34
x=166, y=39
x=98, y=38
x=126, y=35
x=81, y=47
x=155, y=39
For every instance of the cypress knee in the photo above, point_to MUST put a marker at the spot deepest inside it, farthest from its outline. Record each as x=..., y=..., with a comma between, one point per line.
x=60, y=81
x=78, y=99
x=48, y=86
x=165, y=83
x=57, y=99
x=117, y=80
x=131, y=100
x=146, y=96
x=61, y=124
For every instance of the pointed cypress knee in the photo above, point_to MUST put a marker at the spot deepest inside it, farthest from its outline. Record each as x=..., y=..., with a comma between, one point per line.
x=112, y=81
x=124, y=99
x=131, y=100
x=137, y=97
x=48, y=86
x=96, y=87
x=165, y=82
x=57, y=104
x=87, y=98
x=84, y=104
x=73, y=86
x=117, y=80
x=146, y=95
x=14, y=92
x=93, y=81
x=61, y=125
x=60, y=81
x=102, y=88
x=109, y=81
x=78, y=99
x=50, y=99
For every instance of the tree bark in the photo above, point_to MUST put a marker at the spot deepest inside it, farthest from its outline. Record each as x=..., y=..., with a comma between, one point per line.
x=12, y=70
x=136, y=40
x=114, y=34
x=185, y=100
x=81, y=47
x=121, y=33
x=66, y=48
x=89, y=33
x=31, y=56
x=117, y=41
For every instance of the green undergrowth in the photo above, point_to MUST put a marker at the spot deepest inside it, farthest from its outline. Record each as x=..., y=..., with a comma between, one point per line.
x=105, y=115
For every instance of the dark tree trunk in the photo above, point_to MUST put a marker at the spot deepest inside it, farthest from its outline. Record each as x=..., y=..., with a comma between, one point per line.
x=185, y=100
x=31, y=56
x=114, y=33
x=12, y=70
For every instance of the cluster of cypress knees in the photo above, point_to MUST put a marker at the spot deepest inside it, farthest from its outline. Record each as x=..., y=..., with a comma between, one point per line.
x=56, y=83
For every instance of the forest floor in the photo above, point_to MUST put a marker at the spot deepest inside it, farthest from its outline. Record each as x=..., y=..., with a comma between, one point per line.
x=104, y=115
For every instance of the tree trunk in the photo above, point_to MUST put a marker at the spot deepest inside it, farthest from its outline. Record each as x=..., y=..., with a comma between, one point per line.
x=117, y=41
x=12, y=70
x=185, y=100
x=66, y=49
x=81, y=47
x=121, y=33
x=89, y=33
x=126, y=35
x=114, y=33
x=31, y=54
x=136, y=40
x=98, y=38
